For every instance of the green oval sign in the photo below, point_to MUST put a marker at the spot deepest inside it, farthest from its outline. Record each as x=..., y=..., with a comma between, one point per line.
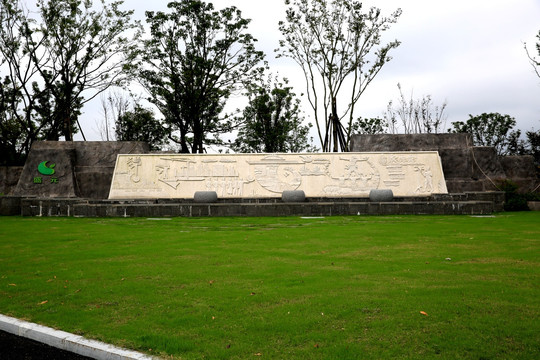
x=46, y=170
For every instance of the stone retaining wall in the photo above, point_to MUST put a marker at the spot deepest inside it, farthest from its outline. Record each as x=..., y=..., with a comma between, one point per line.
x=9, y=177
x=466, y=167
x=441, y=204
x=81, y=168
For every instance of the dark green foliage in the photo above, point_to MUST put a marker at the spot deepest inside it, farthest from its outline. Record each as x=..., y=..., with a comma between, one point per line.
x=26, y=115
x=272, y=122
x=53, y=57
x=11, y=130
x=140, y=124
x=533, y=139
x=10, y=146
x=77, y=47
x=513, y=200
x=491, y=129
x=23, y=105
x=195, y=58
x=370, y=126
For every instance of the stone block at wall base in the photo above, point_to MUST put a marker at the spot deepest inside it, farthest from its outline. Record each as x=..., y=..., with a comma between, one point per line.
x=45, y=207
x=534, y=205
x=440, y=204
x=10, y=205
x=94, y=182
x=457, y=185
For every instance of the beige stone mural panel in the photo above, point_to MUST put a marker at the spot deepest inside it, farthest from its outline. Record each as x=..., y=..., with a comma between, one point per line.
x=150, y=176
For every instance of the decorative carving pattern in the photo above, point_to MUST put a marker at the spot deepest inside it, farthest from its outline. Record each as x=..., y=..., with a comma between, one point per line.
x=133, y=165
x=359, y=177
x=276, y=174
x=265, y=175
x=427, y=184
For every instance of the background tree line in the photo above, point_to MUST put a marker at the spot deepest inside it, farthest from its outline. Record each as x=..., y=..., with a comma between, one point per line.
x=411, y=115
x=190, y=61
x=51, y=65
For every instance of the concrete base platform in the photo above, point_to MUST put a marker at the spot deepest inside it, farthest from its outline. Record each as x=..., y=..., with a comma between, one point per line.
x=534, y=205
x=443, y=204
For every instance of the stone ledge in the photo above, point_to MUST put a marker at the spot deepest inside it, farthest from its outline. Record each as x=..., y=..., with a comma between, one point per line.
x=33, y=206
x=285, y=209
x=67, y=341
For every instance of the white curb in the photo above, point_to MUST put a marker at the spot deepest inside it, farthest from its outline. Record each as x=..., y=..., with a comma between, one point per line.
x=69, y=342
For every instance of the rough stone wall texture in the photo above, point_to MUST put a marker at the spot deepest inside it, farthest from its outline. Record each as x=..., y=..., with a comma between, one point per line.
x=81, y=169
x=60, y=183
x=10, y=205
x=409, y=142
x=9, y=176
x=466, y=167
x=521, y=169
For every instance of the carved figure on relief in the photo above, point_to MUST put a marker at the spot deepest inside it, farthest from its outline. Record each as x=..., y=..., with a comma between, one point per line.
x=173, y=172
x=223, y=178
x=133, y=164
x=359, y=177
x=226, y=187
x=319, y=167
x=427, y=185
x=276, y=174
x=176, y=171
x=277, y=179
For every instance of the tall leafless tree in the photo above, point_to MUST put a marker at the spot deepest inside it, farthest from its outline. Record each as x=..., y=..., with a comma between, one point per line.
x=336, y=44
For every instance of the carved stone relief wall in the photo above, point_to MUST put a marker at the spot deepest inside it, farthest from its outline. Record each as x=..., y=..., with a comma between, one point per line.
x=268, y=175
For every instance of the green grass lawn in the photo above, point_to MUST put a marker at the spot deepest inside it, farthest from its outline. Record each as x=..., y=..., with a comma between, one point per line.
x=282, y=288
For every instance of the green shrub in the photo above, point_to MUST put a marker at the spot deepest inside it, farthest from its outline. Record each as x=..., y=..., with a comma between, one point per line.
x=513, y=200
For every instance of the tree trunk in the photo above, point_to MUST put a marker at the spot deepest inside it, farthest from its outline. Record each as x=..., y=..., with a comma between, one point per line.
x=335, y=125
x=67, y=127
x=184, y=149
x=197, y=147
x=65, y=110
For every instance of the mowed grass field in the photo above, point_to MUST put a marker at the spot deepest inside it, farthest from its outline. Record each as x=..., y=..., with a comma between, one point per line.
x=392, y=287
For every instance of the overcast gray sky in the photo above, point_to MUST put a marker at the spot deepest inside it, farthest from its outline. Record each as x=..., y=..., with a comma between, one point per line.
x=468, y=53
